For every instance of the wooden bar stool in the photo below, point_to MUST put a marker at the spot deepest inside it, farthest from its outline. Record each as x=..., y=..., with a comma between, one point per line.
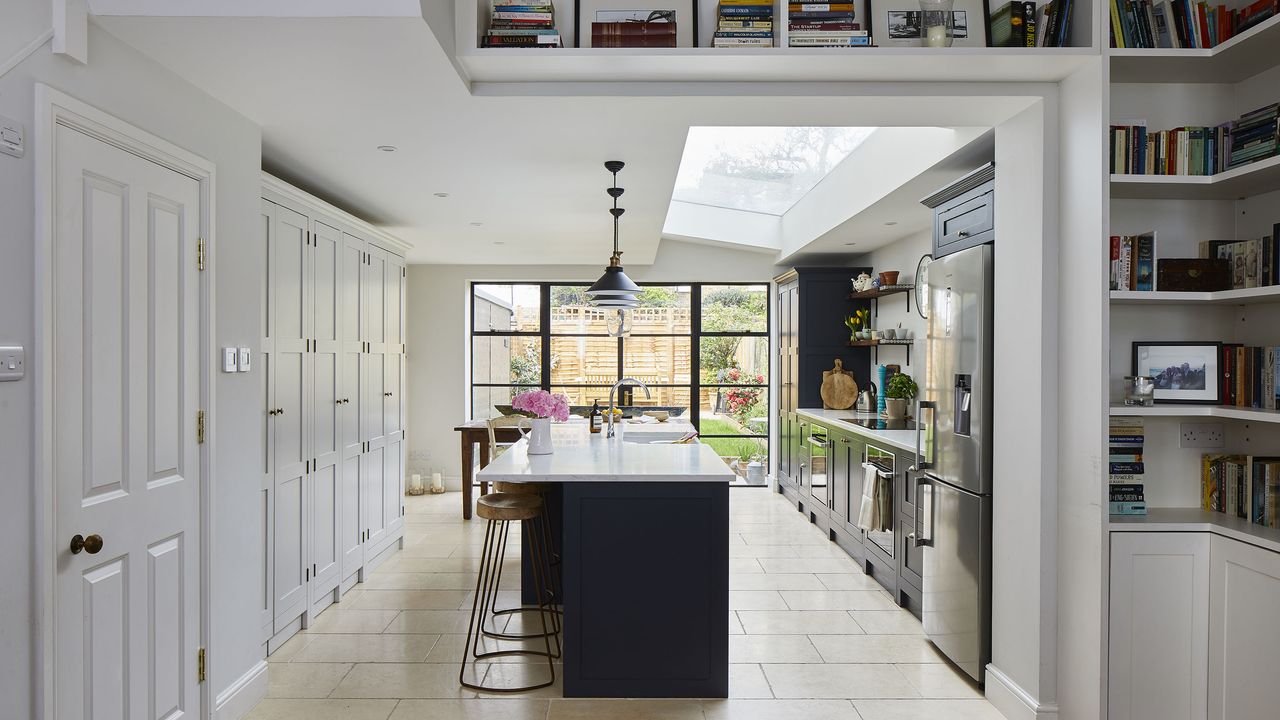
x=550, y=564
x=500, y=510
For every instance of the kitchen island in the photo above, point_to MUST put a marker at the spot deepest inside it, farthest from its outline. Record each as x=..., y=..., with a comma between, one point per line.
x=642, y=529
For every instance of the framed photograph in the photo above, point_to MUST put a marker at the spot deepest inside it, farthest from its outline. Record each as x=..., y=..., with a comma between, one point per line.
x=684, y=13
x=897, y=24
x=1184, y=372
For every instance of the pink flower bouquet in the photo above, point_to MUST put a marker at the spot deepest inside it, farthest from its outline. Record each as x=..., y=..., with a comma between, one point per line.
x=542, y=404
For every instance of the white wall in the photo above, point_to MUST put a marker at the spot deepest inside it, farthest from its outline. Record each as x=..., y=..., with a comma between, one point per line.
x=23, y=22
x=125, y=83
x=438, y=335
x=902, y=255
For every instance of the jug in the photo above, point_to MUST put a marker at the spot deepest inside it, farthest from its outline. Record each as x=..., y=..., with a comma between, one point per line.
x=866, y=399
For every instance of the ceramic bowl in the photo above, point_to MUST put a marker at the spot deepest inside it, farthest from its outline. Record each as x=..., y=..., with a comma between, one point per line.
x=888, y=334
x=889, y=277
x=659, y=415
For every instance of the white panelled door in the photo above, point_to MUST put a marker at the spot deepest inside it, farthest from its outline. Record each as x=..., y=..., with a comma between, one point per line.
x=351, y=532
x=326, y=394
x=126, y=465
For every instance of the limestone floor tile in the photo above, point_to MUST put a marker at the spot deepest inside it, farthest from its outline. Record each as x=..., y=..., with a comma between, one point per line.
x=817, y=552
x=445, y=564
x=739, y=709
x=756, y=600
x=763, y=551
x=810, y=565
x=939, y=680
x=888, y=622
x=431, y=622
x=784, y=622
x=774, y=649
x=292, y=646
x=453, y=581
x=452, y=647
x=513, y=675
x=640, y=709
x=345, y=620
x=926, y=710
x=806, y=536
x=378, y=599
x=769, y=581
x=876, y=649
x=304, y=680
x=272, y=709
x=838, y=681
x=506, y=599
x=744, y=565
x=366, y=648
x=746, y=680
x=481, y=709
x=405, y=680
x=848, y=581
x=838, y=600
x=735, y=624
x=428, y=549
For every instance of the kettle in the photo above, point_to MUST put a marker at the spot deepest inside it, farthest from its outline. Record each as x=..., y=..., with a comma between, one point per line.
x=867, y=399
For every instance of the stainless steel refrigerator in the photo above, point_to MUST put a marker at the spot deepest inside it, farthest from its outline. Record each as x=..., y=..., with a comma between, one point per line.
x=953, y=471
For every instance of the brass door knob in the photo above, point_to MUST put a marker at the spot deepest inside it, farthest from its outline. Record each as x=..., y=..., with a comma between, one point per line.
x=91, y=544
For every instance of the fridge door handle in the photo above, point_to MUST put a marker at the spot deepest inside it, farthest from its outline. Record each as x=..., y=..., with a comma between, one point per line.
x=921, y=406
x=923, y=539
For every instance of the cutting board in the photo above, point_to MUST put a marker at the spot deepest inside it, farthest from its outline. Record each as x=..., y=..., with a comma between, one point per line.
x=839, y=390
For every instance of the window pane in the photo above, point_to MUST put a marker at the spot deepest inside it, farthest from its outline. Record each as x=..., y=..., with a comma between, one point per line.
x=657, y=360
x=571, y=312
x=584, y=361
x=734, y=360
x=734, y=410
x=673, y=400
x=580, y=398
x=739, y=449
x=663, y=310
x=484, y=400
x=735, y=308
x=506, y=360
x=506, y=308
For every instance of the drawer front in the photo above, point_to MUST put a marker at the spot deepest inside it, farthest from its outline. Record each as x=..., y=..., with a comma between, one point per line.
x=967, y=221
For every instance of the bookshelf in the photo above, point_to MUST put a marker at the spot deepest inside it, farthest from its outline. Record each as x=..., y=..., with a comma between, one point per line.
x=1239, y=58
x=1199, y=411
x=1256, y=178
x=1249, y=296
x=1193, y=519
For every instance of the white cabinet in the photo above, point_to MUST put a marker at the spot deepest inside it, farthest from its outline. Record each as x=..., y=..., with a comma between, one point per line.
x=1159, y=626
x=332, y=364
x=1244, y=631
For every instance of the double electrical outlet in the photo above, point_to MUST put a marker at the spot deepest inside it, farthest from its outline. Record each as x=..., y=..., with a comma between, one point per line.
x=1201, y=435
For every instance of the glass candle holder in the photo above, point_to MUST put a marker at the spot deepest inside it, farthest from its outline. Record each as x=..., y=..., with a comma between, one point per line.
x=937, y=23
x=1139, y=391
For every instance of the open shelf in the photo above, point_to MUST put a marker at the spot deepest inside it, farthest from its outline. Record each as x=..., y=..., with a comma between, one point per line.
x=1218, y=411
x=1253, y=179
x=1243, y=56
x=881, y=292
x=1197, y=520
x=1249, y=296
x=875, y=346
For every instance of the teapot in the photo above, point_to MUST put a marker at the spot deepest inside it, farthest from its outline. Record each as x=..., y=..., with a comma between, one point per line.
x=863, y=283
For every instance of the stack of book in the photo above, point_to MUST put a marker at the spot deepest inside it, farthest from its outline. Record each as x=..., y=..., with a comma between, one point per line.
x=1133, y=261
x=1254, y=263
x=1181, y=151
x=522, y=23
x=744, y=23
x=824, y=24
x=1249, y=376
x=1182, y=23
x=1253, y=136
x=1243, y=486
x=1126, y=439
x=634, y=29
x=1053, y=24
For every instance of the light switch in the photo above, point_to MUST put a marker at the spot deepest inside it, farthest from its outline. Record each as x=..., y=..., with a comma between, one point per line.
x=244, y=360
x=12, y=363
x=11, y=137
x=228, y=359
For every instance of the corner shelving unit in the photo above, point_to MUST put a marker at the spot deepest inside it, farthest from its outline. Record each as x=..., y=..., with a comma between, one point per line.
x=1255, y=178
x=1241, y=57
x=1248, y=296
x=1229, y=412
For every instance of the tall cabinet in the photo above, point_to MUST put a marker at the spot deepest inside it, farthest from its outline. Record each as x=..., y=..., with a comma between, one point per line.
x=332, y=369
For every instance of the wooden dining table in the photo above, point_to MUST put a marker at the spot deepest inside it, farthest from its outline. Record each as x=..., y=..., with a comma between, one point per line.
x=476, y=433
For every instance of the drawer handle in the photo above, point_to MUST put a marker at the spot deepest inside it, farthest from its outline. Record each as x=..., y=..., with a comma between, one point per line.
x=963, y=234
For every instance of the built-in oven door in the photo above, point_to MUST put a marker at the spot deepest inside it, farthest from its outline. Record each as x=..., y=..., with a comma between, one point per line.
x=819, y=446
x=882, y=533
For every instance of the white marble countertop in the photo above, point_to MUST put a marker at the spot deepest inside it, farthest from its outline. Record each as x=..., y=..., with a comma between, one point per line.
x=582, y=457
x=900, y=439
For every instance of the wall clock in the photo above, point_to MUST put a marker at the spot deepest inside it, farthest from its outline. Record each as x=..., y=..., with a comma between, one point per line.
x=922, y=286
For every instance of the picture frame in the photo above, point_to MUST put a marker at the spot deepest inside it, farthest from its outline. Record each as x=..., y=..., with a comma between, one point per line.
x=892, y=23
x=1186, y=372
x=584, y=13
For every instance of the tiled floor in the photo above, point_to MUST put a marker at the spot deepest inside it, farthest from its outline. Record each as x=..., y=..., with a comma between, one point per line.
x=812, y=638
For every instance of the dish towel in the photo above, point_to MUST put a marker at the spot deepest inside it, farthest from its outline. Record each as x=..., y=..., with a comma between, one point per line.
x=869, y=509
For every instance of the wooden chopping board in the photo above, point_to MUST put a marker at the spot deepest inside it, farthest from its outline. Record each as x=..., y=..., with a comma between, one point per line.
x=839, y=390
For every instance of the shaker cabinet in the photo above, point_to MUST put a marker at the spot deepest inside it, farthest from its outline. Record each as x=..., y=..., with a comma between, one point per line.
x=332, y=358
x=1244, y=633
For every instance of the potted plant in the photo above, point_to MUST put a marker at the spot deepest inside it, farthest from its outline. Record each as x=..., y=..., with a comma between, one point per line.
x=856, y=323
x=897, y=394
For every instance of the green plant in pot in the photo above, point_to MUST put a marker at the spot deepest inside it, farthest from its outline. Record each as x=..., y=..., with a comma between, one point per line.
x=898, y=393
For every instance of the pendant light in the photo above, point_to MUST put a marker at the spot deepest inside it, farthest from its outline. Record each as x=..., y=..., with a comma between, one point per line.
x=614, y=290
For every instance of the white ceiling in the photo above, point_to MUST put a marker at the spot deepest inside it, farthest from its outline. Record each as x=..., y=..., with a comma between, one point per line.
x=328, y=91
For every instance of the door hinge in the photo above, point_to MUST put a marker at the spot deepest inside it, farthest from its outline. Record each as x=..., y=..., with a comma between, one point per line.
x=200, y=254
x=200, y=665
x=199, y=427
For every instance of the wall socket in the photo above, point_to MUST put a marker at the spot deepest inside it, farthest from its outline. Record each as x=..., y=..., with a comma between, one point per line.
x=1201, y=435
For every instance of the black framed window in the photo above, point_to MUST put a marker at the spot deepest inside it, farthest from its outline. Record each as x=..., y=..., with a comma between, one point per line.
x=702, y=348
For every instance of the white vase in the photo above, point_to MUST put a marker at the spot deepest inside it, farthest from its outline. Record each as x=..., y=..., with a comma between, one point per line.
x=538, y=435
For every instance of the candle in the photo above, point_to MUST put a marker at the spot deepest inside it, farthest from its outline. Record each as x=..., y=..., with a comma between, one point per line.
x=935, y=36
x=415, y=484
x=437, y=484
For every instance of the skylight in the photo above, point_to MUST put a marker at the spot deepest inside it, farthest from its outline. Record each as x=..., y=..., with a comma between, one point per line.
x=760, y=169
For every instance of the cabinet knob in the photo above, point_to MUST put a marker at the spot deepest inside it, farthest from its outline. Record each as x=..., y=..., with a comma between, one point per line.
x=386, y=394
x=963, y=234
x=91, y=544
x=271, y=412
x=279, y=411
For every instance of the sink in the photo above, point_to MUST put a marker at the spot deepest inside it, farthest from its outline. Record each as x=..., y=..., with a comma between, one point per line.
x=649, y=438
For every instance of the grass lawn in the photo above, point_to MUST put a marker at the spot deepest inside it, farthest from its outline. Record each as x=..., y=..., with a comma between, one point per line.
x=730, y=447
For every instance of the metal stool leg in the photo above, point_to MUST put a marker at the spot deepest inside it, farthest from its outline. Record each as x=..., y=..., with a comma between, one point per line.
x=541, y=560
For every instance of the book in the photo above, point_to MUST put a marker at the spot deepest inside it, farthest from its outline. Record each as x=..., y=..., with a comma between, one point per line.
x=1007, y=27
x=1128, y=508
x=739, y=28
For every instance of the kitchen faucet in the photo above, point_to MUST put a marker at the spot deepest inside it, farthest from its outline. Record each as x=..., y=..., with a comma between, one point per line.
x=620, y=383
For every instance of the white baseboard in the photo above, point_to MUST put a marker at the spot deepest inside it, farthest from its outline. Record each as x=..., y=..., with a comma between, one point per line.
x=1012, y=701
x=237, y=700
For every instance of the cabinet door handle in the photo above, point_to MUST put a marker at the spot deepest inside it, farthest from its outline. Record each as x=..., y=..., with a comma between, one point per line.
x=962, y=234
x=279, y=411
x=271, y=412
x=386, y=394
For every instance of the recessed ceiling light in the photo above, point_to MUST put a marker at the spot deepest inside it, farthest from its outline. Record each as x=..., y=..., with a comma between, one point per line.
x=892, y=222
x=499, y=242
x=476, y=224
x=851, y=243
x=441, y=195
x=387, y=148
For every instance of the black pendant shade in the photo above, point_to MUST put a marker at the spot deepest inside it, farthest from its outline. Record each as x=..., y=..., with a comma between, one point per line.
x=614, y=289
